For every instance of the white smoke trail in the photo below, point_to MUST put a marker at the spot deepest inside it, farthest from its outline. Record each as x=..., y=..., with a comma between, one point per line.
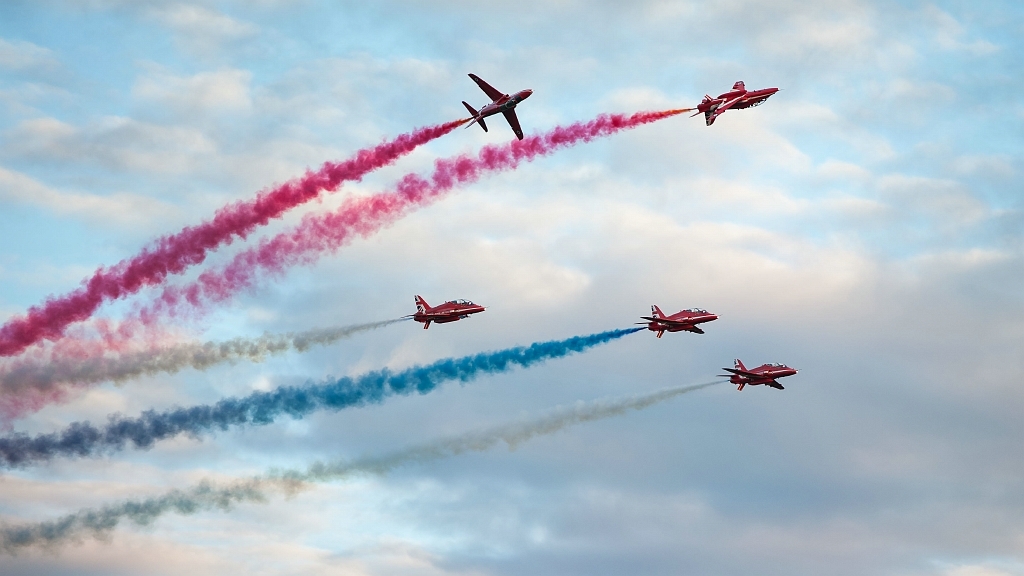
x=205, y=495
x=171, y=359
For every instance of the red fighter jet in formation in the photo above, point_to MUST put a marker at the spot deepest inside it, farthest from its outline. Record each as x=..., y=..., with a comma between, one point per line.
x=443, y=313
x=734, y=99
x=763, y=374
x=684, y=320
x=500, y=102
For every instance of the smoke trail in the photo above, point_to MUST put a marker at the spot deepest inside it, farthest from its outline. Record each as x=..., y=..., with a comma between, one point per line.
x=357, y=217
x=172, y=254
x=261, y=408
x=205, y=495
x=18, y=376
x=363, y=216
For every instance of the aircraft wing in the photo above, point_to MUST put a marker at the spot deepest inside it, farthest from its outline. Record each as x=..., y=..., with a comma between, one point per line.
x=491, y=91
x=743, y=373
x=513, y=121
x=668, y=322
x=727, y=105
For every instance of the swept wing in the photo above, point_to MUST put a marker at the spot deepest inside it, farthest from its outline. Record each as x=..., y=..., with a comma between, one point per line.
x=727, y=105
x=744, y=373
x=667, y=322
x=491, y=91
x=513, y=121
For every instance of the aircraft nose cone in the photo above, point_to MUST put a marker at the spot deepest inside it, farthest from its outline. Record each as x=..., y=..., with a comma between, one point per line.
x=527, y=94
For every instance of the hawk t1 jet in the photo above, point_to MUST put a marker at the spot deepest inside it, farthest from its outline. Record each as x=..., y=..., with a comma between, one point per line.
x=443, y=313
x=500, y=102
x=734, y=99
x=763, y=374
x=684, y=320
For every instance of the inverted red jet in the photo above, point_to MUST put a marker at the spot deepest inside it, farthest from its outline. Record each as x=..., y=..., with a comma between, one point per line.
x=443, y=313
x=763, y=374
x=734, y=99
x=684, y=320
x=500, y=102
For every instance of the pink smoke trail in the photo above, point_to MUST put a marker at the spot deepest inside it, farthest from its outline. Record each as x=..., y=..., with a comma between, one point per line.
x=173, y=254
x=325, y=233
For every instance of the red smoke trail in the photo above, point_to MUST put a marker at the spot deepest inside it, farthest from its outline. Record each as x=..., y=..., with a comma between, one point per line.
x=172, y=254
x=363, y=216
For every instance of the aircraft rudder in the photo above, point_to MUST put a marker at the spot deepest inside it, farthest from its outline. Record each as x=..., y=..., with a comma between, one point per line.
x=421, y=304
x=740, y=366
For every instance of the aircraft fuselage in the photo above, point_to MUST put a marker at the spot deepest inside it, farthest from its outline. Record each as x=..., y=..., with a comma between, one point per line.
x=735, y=99
x=504, y=103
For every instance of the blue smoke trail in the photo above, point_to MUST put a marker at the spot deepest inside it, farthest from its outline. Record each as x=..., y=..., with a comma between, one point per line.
x=261, y=408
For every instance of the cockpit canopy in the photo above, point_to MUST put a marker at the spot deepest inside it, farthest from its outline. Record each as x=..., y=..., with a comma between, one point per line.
x=461, y=302
x=696, y=310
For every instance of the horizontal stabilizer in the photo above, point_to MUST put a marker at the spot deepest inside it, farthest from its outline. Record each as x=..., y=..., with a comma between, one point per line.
x=477, y=119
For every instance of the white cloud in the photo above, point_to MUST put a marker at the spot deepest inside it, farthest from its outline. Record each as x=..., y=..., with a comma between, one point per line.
x=206, y=92
x=997, y=165
x=976, y=570
x=739, y=197
x=200, y=30
x=21, y=55
x=116, y=142
x=819, y=37
x=948, y=201
x=839, y=170
x=949, y=33
x=122, y=208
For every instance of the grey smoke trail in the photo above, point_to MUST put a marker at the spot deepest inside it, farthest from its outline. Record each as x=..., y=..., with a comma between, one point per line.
x=99, y=522
x=171, y=359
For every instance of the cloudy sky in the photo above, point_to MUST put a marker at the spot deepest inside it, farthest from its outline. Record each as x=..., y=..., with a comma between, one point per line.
x=865, y=225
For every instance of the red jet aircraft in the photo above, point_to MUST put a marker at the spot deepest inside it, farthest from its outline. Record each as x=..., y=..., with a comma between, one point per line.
x=443, y=313
x=763, y=374
x=684, y=320
x=500, y=102
x=734, y=99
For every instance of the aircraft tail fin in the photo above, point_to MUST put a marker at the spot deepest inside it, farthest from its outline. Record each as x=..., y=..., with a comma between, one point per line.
x=476, y=116
x=421, y=304
x=656, y=312
x=740, y=366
